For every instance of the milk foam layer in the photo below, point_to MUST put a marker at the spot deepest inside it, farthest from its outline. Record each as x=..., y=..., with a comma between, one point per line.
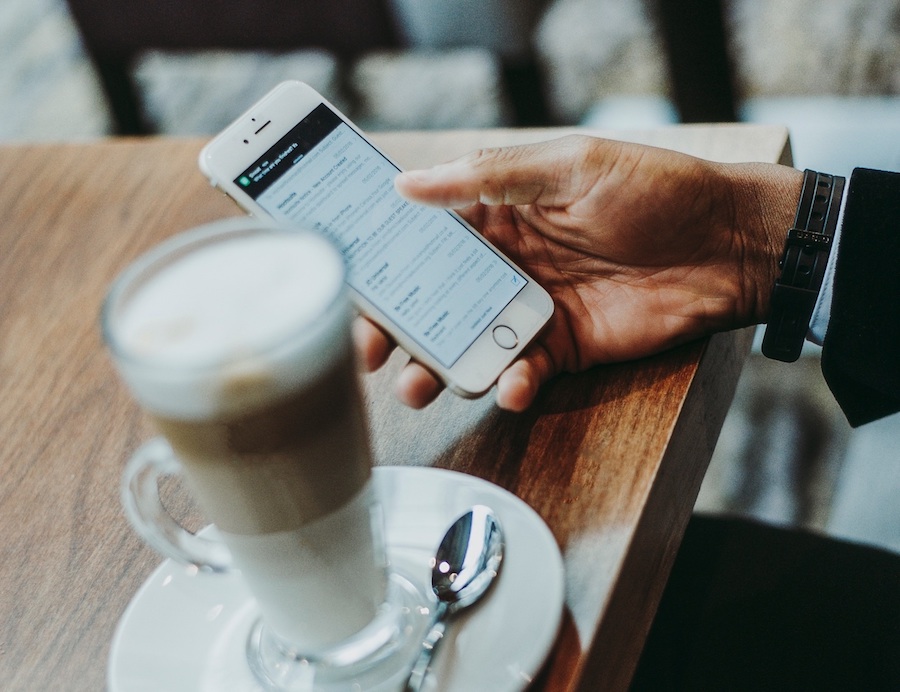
x=236, y=323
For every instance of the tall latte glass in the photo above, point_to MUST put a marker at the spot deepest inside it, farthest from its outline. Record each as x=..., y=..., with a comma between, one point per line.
x=235, y=339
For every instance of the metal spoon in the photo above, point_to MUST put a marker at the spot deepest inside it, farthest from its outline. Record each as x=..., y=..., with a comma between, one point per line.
x=463, y=568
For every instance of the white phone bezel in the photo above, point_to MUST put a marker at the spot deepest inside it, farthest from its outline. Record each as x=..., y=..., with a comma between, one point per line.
x=261, y=127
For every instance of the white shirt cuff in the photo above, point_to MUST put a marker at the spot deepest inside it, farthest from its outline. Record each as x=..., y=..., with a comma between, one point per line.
x=818, y=325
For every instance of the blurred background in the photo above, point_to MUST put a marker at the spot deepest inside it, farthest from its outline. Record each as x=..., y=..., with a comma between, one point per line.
x=828, y=69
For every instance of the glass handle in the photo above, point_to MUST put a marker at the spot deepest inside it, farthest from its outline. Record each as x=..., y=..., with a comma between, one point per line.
x=144, y=509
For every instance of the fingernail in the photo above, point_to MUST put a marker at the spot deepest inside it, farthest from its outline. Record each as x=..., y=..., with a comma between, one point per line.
x=418, y=174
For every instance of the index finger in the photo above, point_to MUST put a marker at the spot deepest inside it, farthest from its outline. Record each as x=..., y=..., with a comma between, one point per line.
x=545, y=173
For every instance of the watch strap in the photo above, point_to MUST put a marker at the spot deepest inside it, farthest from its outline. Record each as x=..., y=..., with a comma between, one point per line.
x=802, y=265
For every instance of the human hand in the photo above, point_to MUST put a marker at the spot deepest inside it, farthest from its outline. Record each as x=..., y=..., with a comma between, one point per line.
x=641, y=248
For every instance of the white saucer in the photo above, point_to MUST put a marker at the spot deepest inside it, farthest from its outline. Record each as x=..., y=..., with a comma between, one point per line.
x=185, y=630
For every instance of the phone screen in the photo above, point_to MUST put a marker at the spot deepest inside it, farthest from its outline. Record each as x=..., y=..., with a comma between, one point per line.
x=439, y=282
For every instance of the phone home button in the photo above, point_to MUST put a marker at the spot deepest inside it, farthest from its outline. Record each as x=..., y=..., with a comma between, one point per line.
x=505, y=337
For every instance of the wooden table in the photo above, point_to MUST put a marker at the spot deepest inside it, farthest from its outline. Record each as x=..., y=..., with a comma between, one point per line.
x=611, y=459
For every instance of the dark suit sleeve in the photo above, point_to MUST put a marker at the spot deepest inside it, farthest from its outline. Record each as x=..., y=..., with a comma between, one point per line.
x=861, y=351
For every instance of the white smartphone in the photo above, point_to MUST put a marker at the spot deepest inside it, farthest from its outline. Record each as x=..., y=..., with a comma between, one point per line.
x=446, y=295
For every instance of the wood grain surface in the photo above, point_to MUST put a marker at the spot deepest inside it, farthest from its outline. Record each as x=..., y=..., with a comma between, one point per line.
x=611, y=459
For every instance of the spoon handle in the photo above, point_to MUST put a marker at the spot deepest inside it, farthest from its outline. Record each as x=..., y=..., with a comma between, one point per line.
x=429, y=644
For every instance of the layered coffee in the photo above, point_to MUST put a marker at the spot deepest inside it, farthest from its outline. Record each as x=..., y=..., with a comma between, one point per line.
x=240, y=351
x=280, y=465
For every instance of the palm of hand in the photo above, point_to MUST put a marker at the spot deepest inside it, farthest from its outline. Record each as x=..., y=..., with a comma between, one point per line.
x=626, y=281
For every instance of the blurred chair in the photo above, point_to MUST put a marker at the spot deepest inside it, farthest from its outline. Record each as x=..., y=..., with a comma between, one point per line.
x=116, y=32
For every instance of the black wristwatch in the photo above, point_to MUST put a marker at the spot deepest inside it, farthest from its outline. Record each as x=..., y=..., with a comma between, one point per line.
x=803, y=265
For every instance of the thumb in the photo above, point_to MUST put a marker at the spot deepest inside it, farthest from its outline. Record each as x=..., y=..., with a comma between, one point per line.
x=525, y=174
x=518, y=385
